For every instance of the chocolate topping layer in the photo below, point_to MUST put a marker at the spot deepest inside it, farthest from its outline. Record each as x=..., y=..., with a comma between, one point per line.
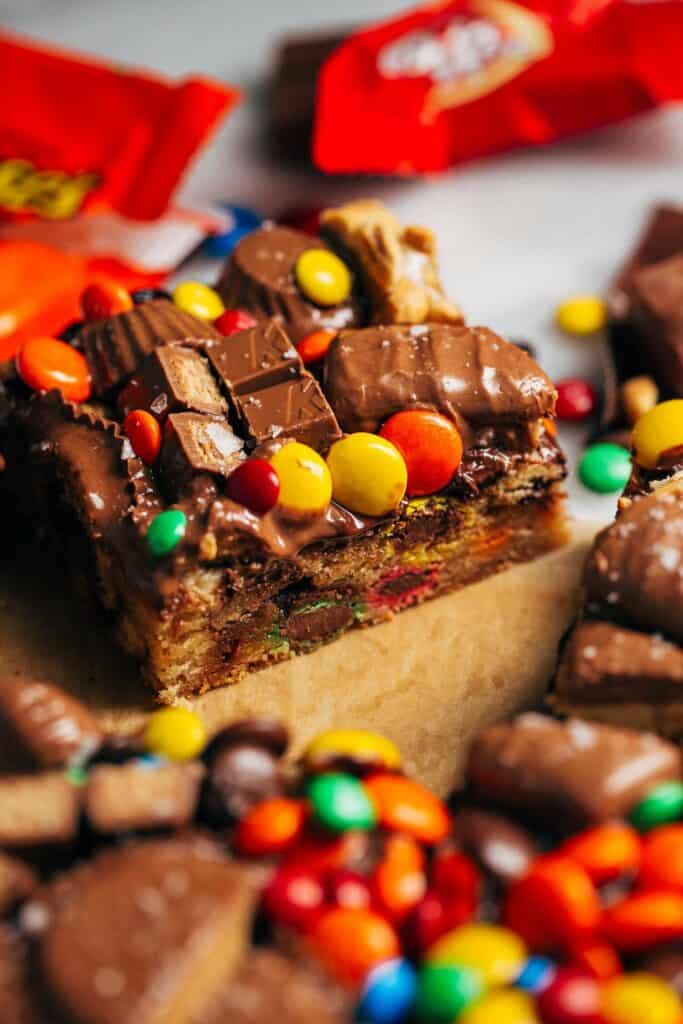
x=259, y=276
x=254, y=359
x=571, y=773
x=656, y=306
x=468, y=373
x=114, y=347
x=634, y=574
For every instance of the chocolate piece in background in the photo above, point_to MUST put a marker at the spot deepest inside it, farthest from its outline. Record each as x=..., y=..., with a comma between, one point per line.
x=173, y=379
x=259, y=357
x=239, y=776
x=17, y=882
x=38, y=810
x=259, y=276
x=567, y=774
x=498, y=844
x=197, y=444
x=115, y=347
x=295, y=409
x=467, y=373
x=151, y=934
x=656, y=317
x=263, y=732
x=142, y=797
x=56, y=730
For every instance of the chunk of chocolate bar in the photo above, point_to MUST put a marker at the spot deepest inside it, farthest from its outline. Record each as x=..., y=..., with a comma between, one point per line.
x=151, y=934
x=498, y=844
x=173, y=379
x=57, y=730
x=198, y=444
x=296, y=408
x=256, y=358
x=38, y=809
x=17, y=882
x=115, y=347
x=566, y=774
x=656, y=313
x=140, y=797
x=467, y=373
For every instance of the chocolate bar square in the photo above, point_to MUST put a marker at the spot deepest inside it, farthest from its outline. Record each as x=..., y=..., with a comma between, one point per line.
x=54, y=728
x=254, y=359
x=173, y=379
x=296, y=408
x=134, y=797
x=38, y=809
x=657, y=313
x=198, y=444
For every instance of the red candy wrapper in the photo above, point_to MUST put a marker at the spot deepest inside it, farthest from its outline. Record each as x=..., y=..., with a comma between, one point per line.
x=83, y=136
x=458, y=80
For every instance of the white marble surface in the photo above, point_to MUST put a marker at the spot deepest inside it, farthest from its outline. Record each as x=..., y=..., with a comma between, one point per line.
x=516, y=233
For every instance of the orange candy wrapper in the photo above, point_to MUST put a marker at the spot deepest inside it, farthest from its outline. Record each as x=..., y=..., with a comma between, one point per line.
x=453, y=81
x=89, y=158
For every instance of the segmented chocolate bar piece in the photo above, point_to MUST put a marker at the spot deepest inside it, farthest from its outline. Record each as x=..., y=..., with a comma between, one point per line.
x=197, y=444
x=256, y=358
x=296, y=408
x=38, y=809
x=54, y=728
x=133, y=796
x=173, y=379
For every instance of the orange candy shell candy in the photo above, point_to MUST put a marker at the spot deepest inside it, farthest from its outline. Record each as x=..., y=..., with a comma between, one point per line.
x=605, y=851
x=105, y=298
x=270, y=827
x=554, y=905
x=47, y=363
x=404, y=805
x=644, y=920
x=431, y=446
x=399, y=881
x=144, y=433
x=662, y=865
x=351, y=941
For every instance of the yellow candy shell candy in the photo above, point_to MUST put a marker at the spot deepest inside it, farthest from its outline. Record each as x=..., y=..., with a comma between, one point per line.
x=198, y=299
x=369, y=474
x=659, y=430
x=358, y=745
x=497, y=953
x=581, y=315
x=323, y=277
x=507, y=1006
x=305, y=481
x=639, y=998
x=175, y=733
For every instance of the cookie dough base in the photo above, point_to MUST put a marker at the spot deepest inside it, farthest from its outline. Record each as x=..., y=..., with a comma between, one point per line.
x=429, y=679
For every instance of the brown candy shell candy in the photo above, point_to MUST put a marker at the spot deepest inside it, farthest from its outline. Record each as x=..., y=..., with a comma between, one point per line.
x=501, y=847
x=264, y=732
x=150, y=935
x=240, y=776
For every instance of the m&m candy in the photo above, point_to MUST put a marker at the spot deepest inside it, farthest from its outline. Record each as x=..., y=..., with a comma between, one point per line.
x=606, y=851
x=339, y=803
x=314, y=346
x=640, y=998
x=663, y=858
x=431, y=446
x=350, y=942
x=295, y=897
x=305, y=480
x=347, y=888
x=144, y=433
x=323, y=277
x=399, y=881
x=175, y=733
x=536, y=974
x=506, y=1006
x=664, y=803
x=166, y=531
x=388, y=993
x=581, y=315
x=232, y=321
x=572, y=997
x=358, y=746
x=495, y=952
x=239, y=222
x=369, y=474
x=644, y=920
x=198, y=299
x=575, y=399
x=407, y=806
x=605, y=468
x=105, y=298
x=46, y=363
x=657, y=432
x=254, y=484
x=444, y=991
x=270, y=827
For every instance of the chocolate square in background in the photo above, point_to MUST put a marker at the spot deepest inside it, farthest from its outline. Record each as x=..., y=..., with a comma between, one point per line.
x=296, y=408
x=256, y=358
x=173, y=379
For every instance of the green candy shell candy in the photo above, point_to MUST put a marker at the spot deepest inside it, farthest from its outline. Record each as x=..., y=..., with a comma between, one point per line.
x=605, y=468
x=339, y=802
x=166, y=531
x=662, y=805
x=443, y=992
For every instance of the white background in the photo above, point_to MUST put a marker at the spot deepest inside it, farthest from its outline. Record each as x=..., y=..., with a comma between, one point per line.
x=516, y=233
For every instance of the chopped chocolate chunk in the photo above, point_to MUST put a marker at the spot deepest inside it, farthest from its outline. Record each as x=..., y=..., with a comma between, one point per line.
x=173, y=379
x=115, y=347
x=151, y=934
x=498, y=844
x=297, y=409
x=239, y=776
x=465, y=372
x=566, y=774
x=314, y=625
x=197, y=444
x=256, y=358
x=57, y=730
x=656, y=311
x=140, y=797
x=259, y=276
x=17, y=882
x=263, y=732
x=38, y=809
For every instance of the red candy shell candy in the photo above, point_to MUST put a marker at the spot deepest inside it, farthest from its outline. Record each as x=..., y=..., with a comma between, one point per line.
x=314, y=346
x=427, y=922
x=233, y=321
x=294, y=897
x=662, y=866
x=347, y=889
x=644, y=920
x=605, y=851
x=254, y=484
x=553, y=905
x=431, y=446
x=103, y=299
x=575, y=399
x=456, y=877
x=144, y=434
x=572, y=997
x=270, y=827
x=404, y=805
x=596, y=957
x=46, y=363
x=351, y=942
